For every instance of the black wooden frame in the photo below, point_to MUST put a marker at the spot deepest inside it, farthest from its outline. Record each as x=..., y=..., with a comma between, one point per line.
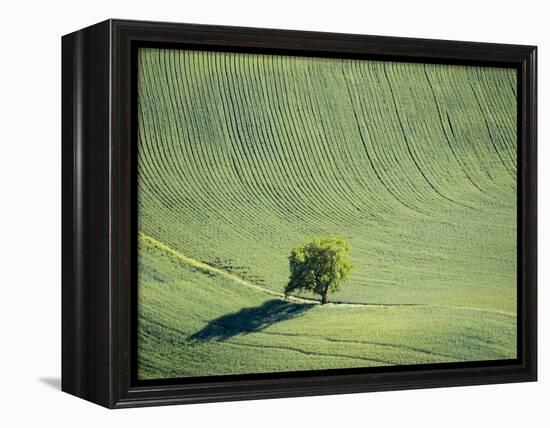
x=98, y=224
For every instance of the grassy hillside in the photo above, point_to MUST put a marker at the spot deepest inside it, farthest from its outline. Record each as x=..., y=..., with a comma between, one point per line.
x=196, y=321
x=243, y=156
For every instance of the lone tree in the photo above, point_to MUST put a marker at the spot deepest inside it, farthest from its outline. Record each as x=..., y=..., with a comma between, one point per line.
x=319, y=266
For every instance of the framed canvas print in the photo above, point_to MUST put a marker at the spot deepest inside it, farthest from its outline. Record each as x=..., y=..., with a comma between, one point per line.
x=253, y=213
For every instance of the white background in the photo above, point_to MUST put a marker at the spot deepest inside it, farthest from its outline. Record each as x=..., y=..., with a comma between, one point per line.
x=30, y=210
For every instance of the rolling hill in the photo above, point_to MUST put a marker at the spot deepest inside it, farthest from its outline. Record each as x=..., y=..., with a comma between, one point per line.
x=243, y=156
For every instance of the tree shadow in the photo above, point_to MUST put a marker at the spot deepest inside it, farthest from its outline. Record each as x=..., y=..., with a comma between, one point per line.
x=250, y=320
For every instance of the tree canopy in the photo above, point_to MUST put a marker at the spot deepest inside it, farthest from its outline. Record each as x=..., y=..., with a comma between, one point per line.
x=319, y=266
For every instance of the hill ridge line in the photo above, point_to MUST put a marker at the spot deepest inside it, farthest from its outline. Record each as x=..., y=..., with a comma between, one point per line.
x=206, y=267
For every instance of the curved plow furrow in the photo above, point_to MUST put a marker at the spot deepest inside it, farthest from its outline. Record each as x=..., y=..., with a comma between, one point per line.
x=243, y=156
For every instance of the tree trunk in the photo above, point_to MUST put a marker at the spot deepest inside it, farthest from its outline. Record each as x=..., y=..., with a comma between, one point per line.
x=324, y=298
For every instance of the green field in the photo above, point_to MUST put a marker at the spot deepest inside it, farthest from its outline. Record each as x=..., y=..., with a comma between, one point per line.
x=242, y=156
